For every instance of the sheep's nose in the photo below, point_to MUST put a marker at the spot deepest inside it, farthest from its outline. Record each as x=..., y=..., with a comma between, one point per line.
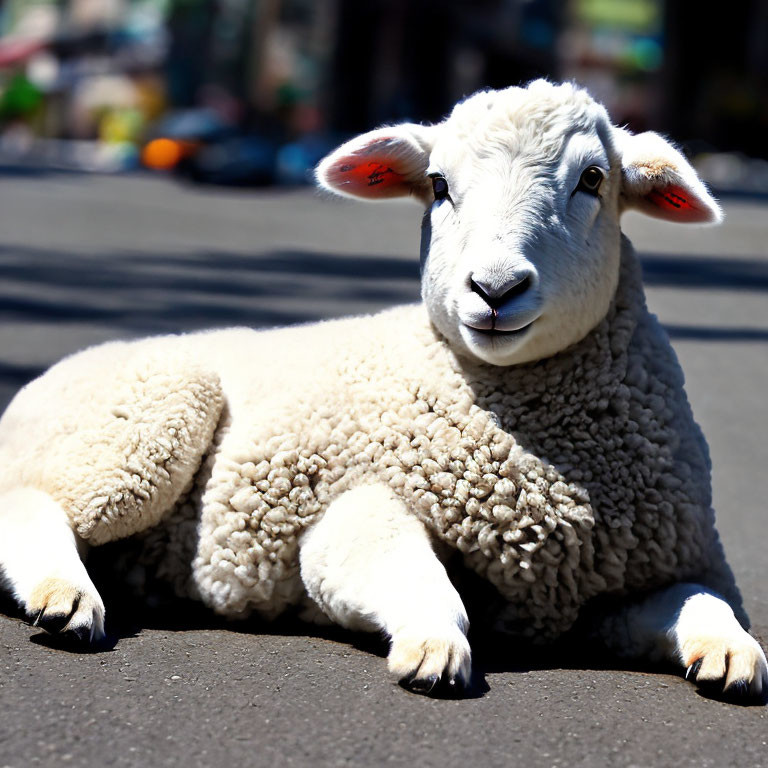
x=495, y=293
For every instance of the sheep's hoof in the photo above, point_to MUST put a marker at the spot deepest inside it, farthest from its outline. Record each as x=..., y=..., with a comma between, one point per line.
x=62, y=608
x=436, y=687
x=423, y=685
x=734, y=668
x=432, y=666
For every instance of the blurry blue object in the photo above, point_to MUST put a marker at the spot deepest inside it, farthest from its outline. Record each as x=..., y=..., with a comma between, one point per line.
x=236, y=161
x=539, y=33
x=647, y=54
x=192, y=124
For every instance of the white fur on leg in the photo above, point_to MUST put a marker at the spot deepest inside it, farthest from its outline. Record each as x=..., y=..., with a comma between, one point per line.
x=692, y=626
x=707, y=634
x=369, y=565
x=41, y=564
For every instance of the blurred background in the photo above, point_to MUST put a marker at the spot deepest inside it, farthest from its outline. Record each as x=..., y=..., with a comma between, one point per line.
x=254, y=92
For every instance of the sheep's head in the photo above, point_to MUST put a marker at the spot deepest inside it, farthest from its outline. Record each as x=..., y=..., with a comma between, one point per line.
x=524, y=189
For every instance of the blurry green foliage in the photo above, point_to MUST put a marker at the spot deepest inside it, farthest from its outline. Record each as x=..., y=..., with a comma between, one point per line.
x=21, y=98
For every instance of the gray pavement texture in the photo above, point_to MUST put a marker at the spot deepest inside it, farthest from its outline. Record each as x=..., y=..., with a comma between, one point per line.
x=84, y=260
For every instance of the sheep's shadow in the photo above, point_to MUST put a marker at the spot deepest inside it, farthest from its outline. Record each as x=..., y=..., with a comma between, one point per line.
x=128, y=616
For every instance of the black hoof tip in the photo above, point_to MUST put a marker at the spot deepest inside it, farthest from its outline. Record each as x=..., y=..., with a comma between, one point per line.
x=53, y=623
x=80, y=635
x=692, y=672
x=436, y=687
x=453, y=688
x=737, y=690
x=75, y=641
x=423, y=685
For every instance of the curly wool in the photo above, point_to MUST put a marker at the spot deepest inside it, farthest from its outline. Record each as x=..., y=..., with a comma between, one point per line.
x=576, y=476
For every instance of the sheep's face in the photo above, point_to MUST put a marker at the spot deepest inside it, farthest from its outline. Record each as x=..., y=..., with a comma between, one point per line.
x=520, y=247
x=523, y=190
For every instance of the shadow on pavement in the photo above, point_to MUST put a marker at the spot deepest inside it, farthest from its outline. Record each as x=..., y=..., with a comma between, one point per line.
x=704, y=333
x=723, y=272
x=18, y=374
x=137, y=293
x=131, y=294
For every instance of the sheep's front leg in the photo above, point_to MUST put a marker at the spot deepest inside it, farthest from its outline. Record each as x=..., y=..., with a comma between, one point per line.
x=369, y=565
x=694, y=628
x=40, y=563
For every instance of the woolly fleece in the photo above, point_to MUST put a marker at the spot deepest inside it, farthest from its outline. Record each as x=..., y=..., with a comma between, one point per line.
x=579, y=475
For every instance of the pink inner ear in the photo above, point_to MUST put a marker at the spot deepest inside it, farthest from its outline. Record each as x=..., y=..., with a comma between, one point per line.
x=676, y=203
x=372, y=174
x=368, y=178
x=672, y=199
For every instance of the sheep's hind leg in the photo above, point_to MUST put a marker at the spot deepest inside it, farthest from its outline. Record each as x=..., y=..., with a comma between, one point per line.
x=695, y=629
x=369, y=565
x=39, y=561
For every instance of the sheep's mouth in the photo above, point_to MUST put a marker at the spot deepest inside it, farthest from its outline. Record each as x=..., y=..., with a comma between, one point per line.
x=495, y=333
x=501, y=324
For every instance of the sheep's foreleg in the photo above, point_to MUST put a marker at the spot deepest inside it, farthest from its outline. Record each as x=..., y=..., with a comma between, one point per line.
x=369, y=565
x=694, y=628
x=40, y=562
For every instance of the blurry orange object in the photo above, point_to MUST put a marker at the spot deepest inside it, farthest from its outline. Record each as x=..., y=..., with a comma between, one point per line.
x=164, y=154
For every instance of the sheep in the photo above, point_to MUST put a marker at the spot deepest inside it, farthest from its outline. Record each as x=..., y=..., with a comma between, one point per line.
x=529, y=414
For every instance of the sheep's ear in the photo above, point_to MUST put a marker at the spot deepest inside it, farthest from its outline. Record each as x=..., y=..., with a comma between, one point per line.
x=659, y=181
x=388, y=162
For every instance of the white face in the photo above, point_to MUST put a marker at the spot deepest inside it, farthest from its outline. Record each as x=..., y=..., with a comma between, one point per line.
x=521, y=241
x=524, y=189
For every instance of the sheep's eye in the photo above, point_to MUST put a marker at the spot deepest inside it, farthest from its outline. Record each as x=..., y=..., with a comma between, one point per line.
x=439, y=187
x=590, y=180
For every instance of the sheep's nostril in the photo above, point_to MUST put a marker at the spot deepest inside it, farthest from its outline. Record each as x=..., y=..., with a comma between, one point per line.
x=496, y=297
x=515, y=290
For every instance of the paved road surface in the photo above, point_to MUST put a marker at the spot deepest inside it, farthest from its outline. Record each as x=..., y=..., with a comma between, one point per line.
x=88, y=259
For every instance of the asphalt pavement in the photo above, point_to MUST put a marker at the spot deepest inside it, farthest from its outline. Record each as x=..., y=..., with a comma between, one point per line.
x=85, y=259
